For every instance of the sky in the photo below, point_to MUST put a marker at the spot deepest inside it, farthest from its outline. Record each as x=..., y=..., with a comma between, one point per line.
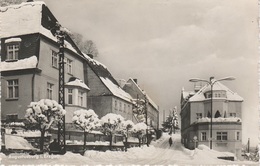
x=164, y=43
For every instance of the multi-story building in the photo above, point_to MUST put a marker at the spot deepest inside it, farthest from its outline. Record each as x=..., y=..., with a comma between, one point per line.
x=136, y=92
x=106, y=96
x=226, y=118
x=30, y=61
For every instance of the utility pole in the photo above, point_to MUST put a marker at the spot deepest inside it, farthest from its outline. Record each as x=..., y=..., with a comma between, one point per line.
x=61, y=125
x=146, y=119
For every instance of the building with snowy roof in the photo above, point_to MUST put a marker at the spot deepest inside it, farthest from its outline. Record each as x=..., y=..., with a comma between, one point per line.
x=30, y=61
x=226, y=118
x=106, y=96
x=132, y=87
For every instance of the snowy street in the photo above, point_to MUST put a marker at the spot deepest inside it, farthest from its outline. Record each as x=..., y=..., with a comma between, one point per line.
x=158, y=153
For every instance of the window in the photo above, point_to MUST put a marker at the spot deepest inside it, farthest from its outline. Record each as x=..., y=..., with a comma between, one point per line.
x=13, y=89
x=68, y=65
x=199, y=115
x=203, y=136
x=55, y=59
x=115, y=105
x=237, y=135
x=232, y=114
x=12, y=51
x=49, y=91
x=120, y=106
x=80, y=98
x=222, y=135
x=70, y=96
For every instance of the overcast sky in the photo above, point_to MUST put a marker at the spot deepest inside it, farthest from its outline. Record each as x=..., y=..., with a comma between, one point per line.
x=164, y=43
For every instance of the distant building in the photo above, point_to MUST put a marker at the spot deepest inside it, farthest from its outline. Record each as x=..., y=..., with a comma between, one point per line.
x=136, y=92
x=227, y=123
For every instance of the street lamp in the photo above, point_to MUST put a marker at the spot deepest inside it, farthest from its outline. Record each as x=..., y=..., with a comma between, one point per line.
x=211, y=82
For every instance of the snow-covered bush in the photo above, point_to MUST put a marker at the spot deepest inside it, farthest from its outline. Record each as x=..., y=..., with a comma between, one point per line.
x=111, y=123
x=87, y=120
x=43, y=114
x=139, y=130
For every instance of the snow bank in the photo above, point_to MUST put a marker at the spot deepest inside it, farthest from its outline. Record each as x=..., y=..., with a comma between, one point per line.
x=16, y=142
x=27, y=63
x=78, y=83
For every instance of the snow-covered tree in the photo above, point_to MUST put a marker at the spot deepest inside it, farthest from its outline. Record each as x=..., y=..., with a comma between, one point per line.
x=139, y=109
x=111, y=123
x=127, y=126
x=86, y=120
x=171, y=122
x=139, y=130
x=43, y=114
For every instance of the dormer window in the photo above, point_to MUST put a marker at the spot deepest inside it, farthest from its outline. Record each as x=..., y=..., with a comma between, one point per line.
x=12, y=48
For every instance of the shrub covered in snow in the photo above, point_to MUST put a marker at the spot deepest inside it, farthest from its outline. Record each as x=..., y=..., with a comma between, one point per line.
x=43, y=114
x=139, y=131
x=111, y=123
x=87, y=120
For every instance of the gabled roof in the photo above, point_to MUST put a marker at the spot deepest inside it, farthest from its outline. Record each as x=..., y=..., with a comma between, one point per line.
x=107, y=79
x=143, y=92
x=218, y=86
x=77, y=83
x=28, y=18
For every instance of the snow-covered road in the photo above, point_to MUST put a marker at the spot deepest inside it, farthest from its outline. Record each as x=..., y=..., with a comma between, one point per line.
x=158, y=153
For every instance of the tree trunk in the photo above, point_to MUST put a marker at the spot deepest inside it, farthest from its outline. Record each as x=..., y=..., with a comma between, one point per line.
x=85, y=139
x=42, y=139
x=110, y=145
x=126, y=143
x=139, y=142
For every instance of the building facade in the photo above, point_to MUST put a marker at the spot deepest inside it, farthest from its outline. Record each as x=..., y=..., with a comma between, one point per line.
x=226, y=118
x=136, y=92
x=30, y=68
x=30, y=62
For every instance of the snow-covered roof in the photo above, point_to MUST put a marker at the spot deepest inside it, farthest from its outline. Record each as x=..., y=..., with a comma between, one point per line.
x=23, y=19
x=93, y=61
x=78, y=83
x=218, y=86
x=116, y=90
x=15, y=39
x=27, y=63
x=148, y=97
x=220, y=119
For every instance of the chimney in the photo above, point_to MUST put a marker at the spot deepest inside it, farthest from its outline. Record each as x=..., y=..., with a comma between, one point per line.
x=135, y=80
x=90, y=55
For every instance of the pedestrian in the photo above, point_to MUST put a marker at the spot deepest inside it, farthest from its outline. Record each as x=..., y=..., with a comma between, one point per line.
x=170, y=141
